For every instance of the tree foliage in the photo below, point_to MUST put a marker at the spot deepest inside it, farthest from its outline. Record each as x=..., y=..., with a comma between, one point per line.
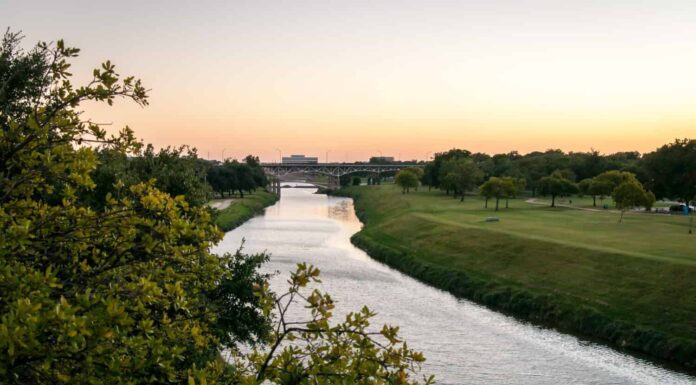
x=176, y=171
x=233, y=176
x=406, y=179
x=433, y=170
x=501, y=188
x=595, y=187
x=557, y=185
x=315, y=350
x=127, y=291
x=630, y=194
x=670, y=171
x=460, y=175
x=535, y=165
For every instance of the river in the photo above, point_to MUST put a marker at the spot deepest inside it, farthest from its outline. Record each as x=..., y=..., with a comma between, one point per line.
x=464, y=343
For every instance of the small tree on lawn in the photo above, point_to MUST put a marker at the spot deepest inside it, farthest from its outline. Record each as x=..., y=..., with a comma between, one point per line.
x=605, y=183
x=406, y=179
x=496, y=188
x=630, y=194
x=514, y=187
x=557, y=185
x=595, y=187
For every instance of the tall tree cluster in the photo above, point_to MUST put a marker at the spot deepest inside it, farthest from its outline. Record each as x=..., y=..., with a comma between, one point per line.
x=670, y=171
x=231, y=176
x=176, y=171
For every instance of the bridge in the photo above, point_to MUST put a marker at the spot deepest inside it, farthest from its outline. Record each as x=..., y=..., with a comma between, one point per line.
x=333, y=170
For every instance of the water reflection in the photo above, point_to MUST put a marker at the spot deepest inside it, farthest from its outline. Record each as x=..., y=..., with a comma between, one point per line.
x=464, y=343
x=342, y=211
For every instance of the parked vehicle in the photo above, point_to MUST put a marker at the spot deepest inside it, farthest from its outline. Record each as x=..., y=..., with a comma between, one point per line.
x=680, y=208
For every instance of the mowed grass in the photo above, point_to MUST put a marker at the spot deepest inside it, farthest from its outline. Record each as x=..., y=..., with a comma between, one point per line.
x=242, y=209
x=641, y=271
x=586, y=202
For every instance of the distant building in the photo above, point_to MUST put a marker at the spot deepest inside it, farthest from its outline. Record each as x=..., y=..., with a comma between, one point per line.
x=300, y=159
x=382, y=159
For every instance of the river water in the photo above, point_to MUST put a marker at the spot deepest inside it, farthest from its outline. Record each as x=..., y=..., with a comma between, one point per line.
x=464, y=343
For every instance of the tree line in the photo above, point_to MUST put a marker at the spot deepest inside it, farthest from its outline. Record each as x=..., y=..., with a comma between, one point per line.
x=230, y=176
x=177, y=171
x=669, y=171
x=631, y=179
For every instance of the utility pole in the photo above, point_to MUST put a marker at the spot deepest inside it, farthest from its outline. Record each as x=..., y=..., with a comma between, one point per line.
x=280, y=155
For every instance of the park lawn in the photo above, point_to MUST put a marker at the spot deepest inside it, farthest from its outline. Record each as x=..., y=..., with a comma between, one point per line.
x=585, y=201
x=642, y=271
x=242, y=209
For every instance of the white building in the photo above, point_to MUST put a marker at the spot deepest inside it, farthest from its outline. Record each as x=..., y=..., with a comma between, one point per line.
x=300, y=159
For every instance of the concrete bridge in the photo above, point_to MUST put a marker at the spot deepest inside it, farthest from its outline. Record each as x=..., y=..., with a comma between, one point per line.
x=333, y=170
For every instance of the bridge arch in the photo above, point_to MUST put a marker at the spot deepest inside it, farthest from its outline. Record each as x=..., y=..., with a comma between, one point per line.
x=333, y=170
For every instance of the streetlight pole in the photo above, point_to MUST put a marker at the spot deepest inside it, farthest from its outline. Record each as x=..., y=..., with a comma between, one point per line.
x=223, y=155
x=280, y=155
x=327, y=156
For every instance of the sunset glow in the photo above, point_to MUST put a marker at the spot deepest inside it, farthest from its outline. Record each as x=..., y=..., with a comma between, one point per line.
x=401, y=78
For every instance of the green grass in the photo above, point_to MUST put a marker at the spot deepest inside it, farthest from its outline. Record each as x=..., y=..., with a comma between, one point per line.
x=242, y=209
x=586, y=202
x=639, y=275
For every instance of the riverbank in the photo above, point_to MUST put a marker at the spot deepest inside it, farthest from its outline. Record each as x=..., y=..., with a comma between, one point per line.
x=631, y=285
x=242, y=209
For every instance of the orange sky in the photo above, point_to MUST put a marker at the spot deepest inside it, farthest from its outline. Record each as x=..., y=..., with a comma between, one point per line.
x=397, y=77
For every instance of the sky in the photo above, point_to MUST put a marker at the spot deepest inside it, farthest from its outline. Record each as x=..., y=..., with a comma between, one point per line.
x=346, y=80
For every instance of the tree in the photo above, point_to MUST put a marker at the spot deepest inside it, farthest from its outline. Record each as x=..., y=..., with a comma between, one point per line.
x=595, y=187
x=461, y=175
x=495, y=188
x=418, y=172
x=406, y=179
x=129, y=292
x=499, y=188
x=614, y=178
x=630, y=194
x=433, y=170
x=514, y=187
x=670, y=171
x=257, y=173
x=428, y=178
x=176, y=171
x=344, y=353
x=556, y=185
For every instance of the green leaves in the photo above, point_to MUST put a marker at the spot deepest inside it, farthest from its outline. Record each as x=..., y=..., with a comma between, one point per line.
x=406, y=179
x=315, y=350
x=631, y=194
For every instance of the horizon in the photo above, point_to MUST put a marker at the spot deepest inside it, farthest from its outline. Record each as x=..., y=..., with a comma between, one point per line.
x=399, y=78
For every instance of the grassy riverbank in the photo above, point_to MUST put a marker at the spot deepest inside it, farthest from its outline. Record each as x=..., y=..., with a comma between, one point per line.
x=242, y=209
x=632, y=284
